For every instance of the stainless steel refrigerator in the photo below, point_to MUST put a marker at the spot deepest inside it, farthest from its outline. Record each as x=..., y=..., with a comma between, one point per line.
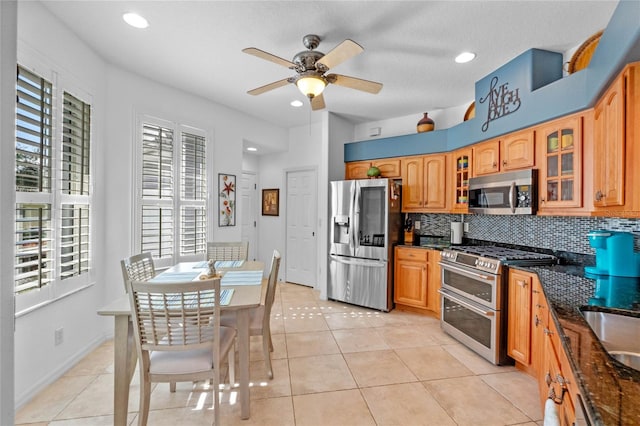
x=365, y=226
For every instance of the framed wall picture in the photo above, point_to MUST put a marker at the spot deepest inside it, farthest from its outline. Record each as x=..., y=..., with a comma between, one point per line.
x=226, y=200
x=270, y=202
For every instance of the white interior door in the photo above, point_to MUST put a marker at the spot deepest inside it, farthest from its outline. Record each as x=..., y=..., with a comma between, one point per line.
x=249, y=212
x=302, y=217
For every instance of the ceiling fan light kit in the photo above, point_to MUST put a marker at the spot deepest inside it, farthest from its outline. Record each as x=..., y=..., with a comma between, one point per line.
x=311, y=66
x=311, y=84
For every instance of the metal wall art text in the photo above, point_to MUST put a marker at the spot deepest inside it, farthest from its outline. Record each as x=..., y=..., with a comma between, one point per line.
x=502, y=101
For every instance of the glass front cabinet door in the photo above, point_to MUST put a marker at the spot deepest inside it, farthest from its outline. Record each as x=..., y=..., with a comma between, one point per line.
x=559, y=146
x=461, y=174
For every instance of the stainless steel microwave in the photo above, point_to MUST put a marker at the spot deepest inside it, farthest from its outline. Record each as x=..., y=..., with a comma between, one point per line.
x=504, y=193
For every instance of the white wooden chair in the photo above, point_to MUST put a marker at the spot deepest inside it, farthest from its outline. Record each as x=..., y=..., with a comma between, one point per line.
x=228, y=251
x=260, y=317
x=178, y=335
x=138, y=267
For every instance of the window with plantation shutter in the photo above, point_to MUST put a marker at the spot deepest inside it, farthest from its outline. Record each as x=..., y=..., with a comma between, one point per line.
x=52, y=176
x=172, y=191
x=33, y=133
x=76, y=125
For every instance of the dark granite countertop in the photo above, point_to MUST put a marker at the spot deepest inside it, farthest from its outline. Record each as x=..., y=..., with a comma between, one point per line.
x=610, y=390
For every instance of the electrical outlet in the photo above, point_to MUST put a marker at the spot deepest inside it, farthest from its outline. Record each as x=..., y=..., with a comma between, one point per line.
x=59, y=336
x=466, y=227
x=416, y=225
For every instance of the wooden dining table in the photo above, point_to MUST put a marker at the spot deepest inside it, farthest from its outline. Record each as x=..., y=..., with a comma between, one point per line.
x=247, y=294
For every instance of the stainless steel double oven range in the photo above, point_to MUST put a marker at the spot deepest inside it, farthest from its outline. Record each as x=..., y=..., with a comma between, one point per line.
x=474, y=295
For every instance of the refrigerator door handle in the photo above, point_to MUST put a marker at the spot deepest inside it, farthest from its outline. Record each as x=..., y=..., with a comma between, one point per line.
x=357, y=235
x=358, y=261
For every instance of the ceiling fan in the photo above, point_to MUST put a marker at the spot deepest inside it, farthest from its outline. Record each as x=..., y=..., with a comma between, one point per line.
x=311, y=67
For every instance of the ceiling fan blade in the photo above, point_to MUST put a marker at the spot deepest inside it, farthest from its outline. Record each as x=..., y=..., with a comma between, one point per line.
x=269, y=57
x=262, y=89
x=317, y=102
x=339, y=54
x=354, y=83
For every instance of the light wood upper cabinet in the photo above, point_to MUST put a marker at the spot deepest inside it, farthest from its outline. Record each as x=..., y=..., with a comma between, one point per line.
x=424, y=183
x=356, y=169
x=461, y=169
x=435, y=178
x=616, y=141
x=511, y=152
x=486, y=158
x=517, y=150
x=389, y=168
x=609, y=149
x=559, y=158
x=519, y=316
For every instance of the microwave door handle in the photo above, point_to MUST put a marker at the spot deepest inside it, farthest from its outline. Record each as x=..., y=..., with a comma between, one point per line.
x=512, y=194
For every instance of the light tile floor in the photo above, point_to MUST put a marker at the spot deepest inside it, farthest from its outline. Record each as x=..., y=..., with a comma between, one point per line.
x=334, y=364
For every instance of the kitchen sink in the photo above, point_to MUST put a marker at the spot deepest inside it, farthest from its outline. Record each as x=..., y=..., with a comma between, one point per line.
x=619, y=334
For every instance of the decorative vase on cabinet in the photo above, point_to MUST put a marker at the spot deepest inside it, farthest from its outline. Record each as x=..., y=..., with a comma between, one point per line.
x=426, y=124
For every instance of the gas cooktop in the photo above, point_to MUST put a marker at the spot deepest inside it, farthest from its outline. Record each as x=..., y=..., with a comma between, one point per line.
x=505, y=254
x=490, y=258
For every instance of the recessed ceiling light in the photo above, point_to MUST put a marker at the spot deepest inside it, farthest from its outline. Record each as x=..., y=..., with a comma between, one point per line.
x=135, y=20
x=465, y=57
x=252, y=149
x=296, y=103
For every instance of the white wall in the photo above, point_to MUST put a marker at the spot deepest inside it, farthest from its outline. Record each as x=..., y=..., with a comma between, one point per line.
x=42, y=41
x=405, y=125
x=304, y=151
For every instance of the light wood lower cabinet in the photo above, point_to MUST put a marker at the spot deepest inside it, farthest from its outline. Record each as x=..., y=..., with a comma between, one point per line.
x=535, y=344
x=519, y=316
x=417, y=279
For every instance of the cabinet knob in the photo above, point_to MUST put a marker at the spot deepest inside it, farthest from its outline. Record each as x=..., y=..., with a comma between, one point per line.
x=504, y=163
x=548, y=332
x=599, y=195
x=521, y=283
x=542, y=200
x=495, y=164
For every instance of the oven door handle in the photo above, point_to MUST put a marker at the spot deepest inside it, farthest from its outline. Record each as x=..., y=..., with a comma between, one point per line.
x=467, y=273
x=486, y=313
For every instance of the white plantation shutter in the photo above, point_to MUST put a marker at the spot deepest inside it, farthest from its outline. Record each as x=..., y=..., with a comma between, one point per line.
x=76, y=124
x=157, y=219
x=33, y=132
x=157, y=162
x=74, y=240
x=193, y=194
x=33, y=266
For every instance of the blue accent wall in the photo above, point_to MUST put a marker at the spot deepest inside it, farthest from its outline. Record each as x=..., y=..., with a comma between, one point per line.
x=546, y=98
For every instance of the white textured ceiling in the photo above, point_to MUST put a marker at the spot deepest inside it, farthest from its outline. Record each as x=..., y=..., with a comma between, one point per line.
x=197, y=46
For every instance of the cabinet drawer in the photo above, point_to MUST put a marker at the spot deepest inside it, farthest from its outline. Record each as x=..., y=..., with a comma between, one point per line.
x=417, y=255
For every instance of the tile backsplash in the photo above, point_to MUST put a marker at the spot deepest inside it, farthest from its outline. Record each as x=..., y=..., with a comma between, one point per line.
x=549, y=232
